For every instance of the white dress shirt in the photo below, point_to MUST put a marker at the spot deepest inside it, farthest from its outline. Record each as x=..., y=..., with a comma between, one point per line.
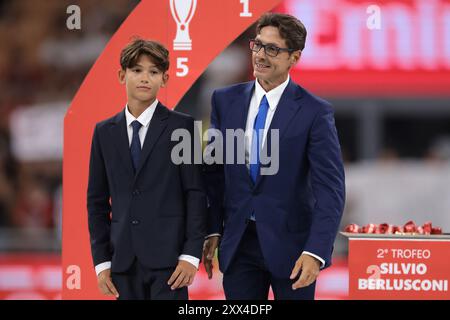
x=273, y=98
x=144, y=118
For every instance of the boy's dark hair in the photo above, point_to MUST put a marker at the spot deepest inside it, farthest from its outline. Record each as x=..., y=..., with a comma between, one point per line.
x=155, y=50
x=289, y=27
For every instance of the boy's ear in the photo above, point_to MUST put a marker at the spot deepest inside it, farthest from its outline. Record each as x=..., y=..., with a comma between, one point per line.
x=121, y=74
x=165, y=79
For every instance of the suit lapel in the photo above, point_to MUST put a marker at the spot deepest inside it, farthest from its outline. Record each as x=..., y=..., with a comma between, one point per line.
x=120, y=140
x=287, y=108
x=240, y=107
x=156, y=127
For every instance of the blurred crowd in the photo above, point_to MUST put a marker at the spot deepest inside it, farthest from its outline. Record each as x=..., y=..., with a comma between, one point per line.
x=42, y=62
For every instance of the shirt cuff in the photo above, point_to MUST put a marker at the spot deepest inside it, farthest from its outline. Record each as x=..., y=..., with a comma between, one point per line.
x=315, y=256
x=192, y=260
x=213, y=235
x=102, y=267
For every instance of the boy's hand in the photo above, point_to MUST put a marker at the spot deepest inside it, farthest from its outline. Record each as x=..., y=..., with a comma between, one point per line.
x=183, y=275
x=105, y=283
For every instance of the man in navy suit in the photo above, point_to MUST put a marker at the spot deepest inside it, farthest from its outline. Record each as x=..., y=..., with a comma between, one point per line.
x=275, y=229
x=147, y=215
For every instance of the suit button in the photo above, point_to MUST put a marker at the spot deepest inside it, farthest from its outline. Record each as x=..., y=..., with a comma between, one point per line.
x=136, y=192
x=135, y=222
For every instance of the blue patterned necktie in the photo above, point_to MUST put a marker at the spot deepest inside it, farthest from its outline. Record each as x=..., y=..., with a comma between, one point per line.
x=135, y=147
x=258, y=130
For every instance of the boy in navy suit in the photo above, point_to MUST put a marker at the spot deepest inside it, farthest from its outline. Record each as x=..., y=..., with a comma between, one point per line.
x=147, y=215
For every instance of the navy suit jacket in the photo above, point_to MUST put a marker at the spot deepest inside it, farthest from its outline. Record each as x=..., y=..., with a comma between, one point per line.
x=297, y=209
x=159, y=212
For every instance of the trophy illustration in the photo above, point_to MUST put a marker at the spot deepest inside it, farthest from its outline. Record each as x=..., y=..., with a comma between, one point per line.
x=182, y=12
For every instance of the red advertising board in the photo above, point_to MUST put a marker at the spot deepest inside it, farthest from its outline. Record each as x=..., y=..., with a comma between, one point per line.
x=364, y=48
x=38, y=276
x=392, y=267
x=30, y=276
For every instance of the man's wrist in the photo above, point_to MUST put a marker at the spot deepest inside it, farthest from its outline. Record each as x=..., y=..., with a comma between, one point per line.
x=321, y=261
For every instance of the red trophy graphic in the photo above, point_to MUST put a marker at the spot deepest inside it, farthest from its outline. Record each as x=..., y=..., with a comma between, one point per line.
x=182, y=12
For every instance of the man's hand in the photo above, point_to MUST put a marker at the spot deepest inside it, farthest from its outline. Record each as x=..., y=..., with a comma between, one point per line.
x=309, y=267
x=209, y=247
x=183, y=275
x=105, y=283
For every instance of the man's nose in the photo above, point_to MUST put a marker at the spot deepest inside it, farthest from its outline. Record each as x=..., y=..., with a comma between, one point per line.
x=261, y=53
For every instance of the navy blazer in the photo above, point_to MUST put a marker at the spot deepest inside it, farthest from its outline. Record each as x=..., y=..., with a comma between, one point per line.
x=297, y=209
x=157, y=213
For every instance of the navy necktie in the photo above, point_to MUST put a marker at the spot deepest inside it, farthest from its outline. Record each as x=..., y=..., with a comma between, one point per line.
x=258, y=130
x=135, y=147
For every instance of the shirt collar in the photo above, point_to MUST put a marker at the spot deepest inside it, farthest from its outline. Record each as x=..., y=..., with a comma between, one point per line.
x=273, y=96
x=145, y=117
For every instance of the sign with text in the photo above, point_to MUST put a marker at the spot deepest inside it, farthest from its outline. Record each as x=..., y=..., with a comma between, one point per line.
x=396, y=268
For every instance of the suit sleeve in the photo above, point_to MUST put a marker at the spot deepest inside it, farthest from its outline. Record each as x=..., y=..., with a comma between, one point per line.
x=328, y=185
x=195, y=201
x=215, y=180
x=98, y=204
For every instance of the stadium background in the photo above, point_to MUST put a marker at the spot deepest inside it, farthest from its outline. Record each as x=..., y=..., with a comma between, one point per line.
x=390, y=89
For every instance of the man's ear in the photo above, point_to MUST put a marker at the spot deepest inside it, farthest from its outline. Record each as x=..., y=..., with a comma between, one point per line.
x=165, y=79
x=121, y=74
x=295, y=57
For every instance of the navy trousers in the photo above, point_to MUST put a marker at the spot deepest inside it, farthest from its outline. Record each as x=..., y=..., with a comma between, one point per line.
x=142, y=283
x=247, y=278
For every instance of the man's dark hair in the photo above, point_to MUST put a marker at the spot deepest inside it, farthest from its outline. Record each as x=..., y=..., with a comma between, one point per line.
x=153, y=49
x=290, y=28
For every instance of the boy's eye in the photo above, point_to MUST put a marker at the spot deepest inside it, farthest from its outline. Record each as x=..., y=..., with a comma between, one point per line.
x=154, y=72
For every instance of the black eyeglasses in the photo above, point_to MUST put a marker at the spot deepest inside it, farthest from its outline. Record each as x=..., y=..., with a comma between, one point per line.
x=269, y=49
